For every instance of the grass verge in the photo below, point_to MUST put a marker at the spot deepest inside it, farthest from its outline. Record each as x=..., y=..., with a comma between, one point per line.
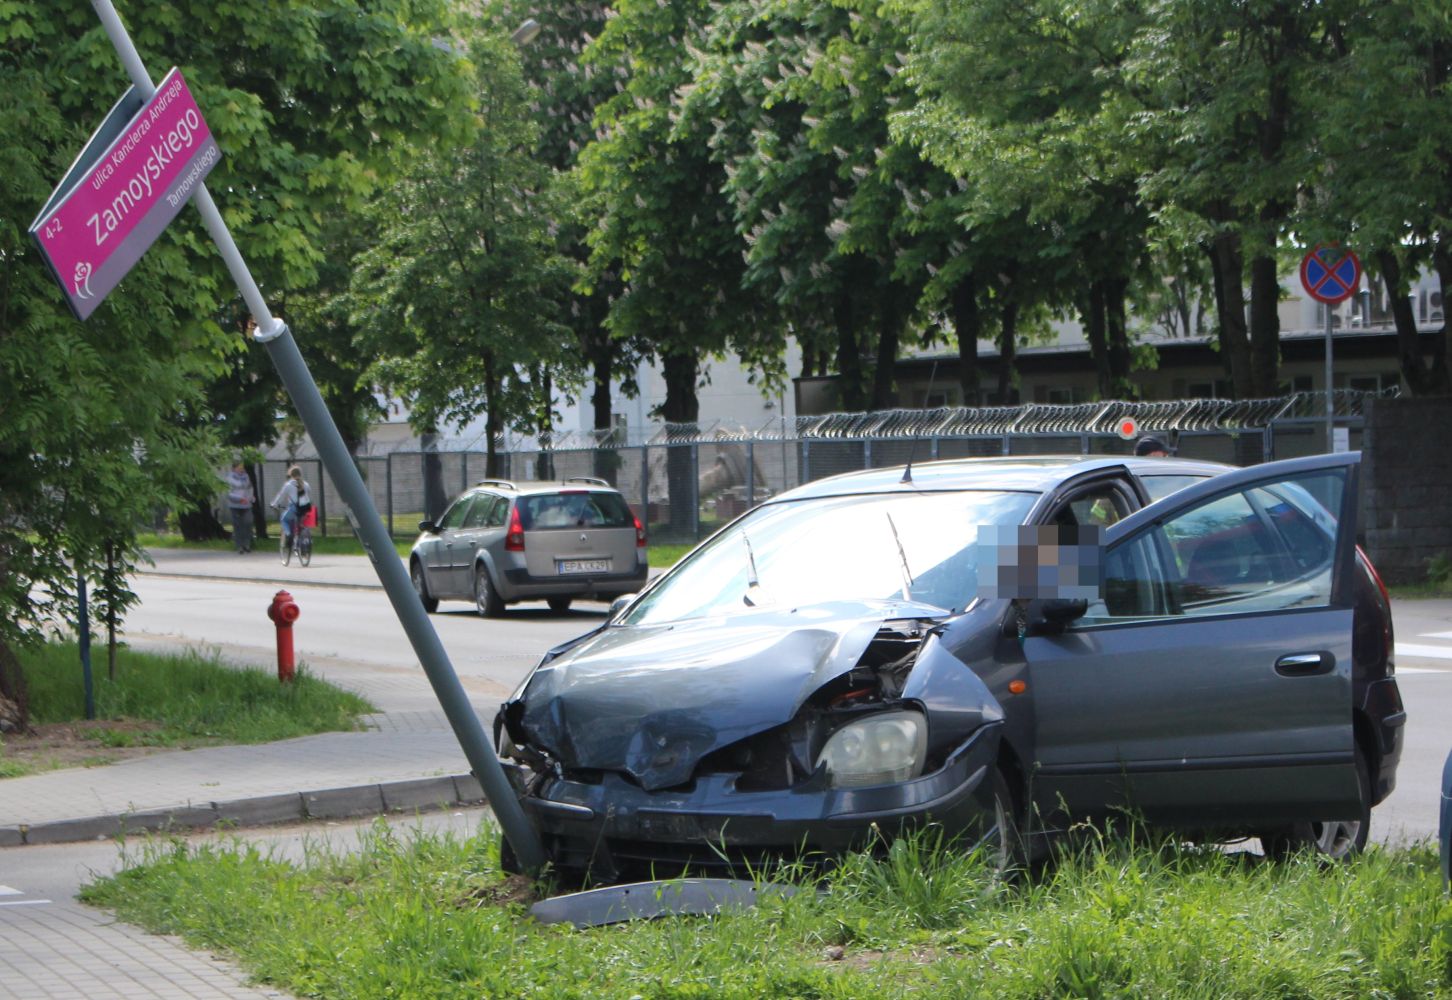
x=427, y=915
x=187, y=700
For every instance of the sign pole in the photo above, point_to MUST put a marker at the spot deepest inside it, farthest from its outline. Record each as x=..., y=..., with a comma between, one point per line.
x=274, y=334
x=1330, y=391
x=1330, y=276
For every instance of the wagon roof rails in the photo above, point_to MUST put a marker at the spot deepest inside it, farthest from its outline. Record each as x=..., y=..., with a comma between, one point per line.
x=503, y=484
x=592, y=480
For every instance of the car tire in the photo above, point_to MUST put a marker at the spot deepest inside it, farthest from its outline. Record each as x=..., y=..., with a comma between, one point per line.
x=486, y=598
x=559, y=605
x=1338, y=840
x=421, y=587
x=1005, y=841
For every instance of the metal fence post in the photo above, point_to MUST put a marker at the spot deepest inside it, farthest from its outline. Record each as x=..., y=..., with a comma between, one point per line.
x=695, y=492
x=322, y=500
x=867, y=453
x=806, y=462
x=750, y=474
x=1268, y=443
x=388, y=491
x=645, y=484
x=933, y=447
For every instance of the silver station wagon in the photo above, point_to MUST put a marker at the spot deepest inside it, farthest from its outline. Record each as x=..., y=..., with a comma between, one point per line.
x=503, y=542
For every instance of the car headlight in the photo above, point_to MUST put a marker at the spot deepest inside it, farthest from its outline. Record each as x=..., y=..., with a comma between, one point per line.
x=877, y=750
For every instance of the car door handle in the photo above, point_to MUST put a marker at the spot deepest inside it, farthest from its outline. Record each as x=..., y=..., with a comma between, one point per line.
x=1305, y=664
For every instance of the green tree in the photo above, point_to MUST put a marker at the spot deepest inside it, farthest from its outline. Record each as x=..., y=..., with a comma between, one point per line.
x=1022, y=103
x=662, y=224
x=103, y=423
x=459, y=300
x=1383, y=148
x=566, y=92
x=793, y=99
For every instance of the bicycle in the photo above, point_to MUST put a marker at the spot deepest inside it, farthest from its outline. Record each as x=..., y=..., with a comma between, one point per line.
x=299, y=542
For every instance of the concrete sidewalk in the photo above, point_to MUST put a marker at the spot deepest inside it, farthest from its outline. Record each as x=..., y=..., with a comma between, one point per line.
x=264, y=566
x=406, y=759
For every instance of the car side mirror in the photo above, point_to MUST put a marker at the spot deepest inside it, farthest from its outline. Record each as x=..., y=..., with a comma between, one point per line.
x=1043, y=615
x=428, y=527
x=618, y=605
x=1052, y=615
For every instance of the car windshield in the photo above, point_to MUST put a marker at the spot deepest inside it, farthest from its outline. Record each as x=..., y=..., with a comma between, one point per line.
x=916, y=545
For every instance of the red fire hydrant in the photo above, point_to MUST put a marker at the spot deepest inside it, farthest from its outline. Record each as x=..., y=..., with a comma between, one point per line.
x=284, y=611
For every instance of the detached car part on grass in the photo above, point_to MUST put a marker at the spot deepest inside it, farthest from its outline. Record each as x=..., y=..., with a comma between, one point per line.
x=835, y=666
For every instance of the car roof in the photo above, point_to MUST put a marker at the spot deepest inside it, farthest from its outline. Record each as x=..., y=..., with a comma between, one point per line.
x=1025, y=473
x=585, y=484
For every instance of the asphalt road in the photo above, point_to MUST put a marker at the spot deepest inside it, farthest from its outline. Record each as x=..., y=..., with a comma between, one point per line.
x=355, y=627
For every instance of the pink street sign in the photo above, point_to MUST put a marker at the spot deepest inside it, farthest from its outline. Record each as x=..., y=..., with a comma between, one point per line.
x=94, y=233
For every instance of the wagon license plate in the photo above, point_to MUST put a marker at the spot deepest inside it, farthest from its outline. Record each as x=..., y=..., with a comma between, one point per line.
x=568, y=566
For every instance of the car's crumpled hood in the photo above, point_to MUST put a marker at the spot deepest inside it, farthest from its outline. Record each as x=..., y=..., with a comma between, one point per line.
x=653, y=700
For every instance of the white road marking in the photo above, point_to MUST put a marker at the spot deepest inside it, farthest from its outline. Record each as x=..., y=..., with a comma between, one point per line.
x=1435, y=635
x=1422, y=670
x=1418, y=649
x=25, y=902
x=5, y=890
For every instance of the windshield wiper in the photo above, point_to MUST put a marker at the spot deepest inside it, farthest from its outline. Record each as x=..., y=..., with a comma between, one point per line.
x=907, y=576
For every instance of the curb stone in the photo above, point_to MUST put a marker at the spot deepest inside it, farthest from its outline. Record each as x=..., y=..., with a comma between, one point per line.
x=411, y=795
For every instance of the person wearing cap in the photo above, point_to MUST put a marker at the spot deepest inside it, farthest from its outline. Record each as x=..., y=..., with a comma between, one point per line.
x=1151, y=447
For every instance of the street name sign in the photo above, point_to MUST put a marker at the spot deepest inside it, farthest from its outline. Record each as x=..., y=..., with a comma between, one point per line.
x=138, y=171
x=1330, y=274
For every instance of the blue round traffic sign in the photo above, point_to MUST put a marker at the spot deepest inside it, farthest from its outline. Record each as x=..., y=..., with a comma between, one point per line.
x=1330, y=274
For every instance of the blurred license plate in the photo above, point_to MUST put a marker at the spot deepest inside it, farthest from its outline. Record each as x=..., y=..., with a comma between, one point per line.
x=584, y=566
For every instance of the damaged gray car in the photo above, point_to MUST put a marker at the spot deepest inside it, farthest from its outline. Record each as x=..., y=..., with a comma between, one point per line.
x=867, y=653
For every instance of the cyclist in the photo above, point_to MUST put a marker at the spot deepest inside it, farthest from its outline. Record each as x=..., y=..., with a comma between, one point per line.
x=298, y=499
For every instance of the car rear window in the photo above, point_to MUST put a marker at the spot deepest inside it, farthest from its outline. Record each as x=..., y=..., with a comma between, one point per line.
x=574, y=509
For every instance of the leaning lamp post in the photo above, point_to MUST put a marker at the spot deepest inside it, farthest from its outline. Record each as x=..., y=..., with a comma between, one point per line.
x=273, y=334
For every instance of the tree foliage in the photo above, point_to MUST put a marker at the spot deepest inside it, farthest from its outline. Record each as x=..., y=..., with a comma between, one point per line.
x=104, y=423
x=459, y=298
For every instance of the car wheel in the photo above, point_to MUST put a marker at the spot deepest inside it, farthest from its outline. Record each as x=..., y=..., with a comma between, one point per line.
x=559, y=605
x=1003, y=844
x=1335, y=840
x=486, y=598
x=421, y=587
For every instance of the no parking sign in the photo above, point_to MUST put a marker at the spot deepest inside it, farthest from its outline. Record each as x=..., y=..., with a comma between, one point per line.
x=1330, y=274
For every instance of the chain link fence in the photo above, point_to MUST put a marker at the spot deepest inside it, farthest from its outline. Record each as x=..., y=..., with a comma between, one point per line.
x=688, y=480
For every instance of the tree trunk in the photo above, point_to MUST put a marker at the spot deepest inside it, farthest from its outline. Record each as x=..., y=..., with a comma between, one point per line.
x=602, y=364
x=1095, y=330
x=1227, y=264
x=493, y=419
x=435, y=499
x=1008, y=349
x=200, y=524
x=681, y=407
x=544, y=466
x=1439, y=367
x=968, y=322
x=882, y=375
x=851, y=379
x=112, y=583
x=259, y=503
x=1265, y=327
x=14, y=701
x=1116, y=327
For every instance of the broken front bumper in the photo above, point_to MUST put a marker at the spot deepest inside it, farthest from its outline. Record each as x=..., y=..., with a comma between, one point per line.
x=612, y=825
